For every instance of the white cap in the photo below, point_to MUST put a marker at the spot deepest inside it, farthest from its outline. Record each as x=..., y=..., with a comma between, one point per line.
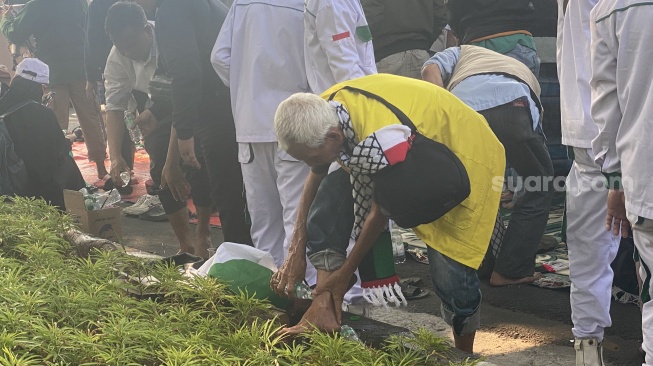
x=33, y=69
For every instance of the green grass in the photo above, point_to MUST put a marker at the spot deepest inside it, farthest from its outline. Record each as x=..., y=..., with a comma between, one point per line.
x=59, y=309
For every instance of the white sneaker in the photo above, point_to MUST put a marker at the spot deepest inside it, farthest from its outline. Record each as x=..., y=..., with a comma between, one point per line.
x=589, y=352
x=145, y=203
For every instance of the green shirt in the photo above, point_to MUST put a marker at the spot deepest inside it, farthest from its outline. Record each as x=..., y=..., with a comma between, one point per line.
x=505, y=44
x=58, y=26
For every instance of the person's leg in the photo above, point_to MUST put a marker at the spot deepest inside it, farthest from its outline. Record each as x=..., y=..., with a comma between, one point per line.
x=591, y=248
x=528, y=155
x=643, y=235
x=156, y=145
x=459, y=290
x=200, y=188
x=257, y=161
x=217, y=138
x=88, y=114
x=128, y=149
x=61, y=104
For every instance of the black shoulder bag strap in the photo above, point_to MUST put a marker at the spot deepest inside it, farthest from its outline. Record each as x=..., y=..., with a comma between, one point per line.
x=403, y=118
x=15, y=108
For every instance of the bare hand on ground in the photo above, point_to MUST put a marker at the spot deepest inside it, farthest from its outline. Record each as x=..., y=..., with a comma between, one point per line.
x=173, y=178
x=187, y=152
x=616, y=219
x=337, y=285
x=147, y=122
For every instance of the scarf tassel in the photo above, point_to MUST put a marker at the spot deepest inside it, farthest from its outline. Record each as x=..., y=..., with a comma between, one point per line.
x=383, y=295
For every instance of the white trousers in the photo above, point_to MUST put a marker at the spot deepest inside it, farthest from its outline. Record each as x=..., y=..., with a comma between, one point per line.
x=643, y=235
x=274, y=182
x=591, y=247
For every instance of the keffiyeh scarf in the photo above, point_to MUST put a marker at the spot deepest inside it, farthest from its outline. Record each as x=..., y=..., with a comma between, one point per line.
x=385, y=147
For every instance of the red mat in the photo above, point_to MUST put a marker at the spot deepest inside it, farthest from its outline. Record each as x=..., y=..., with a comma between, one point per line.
x=141, y=172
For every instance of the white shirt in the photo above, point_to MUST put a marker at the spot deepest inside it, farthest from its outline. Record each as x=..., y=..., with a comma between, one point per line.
x=334, y=51
x=573, y=56
x=259, y=54
x=122, y=75
x=622, y=96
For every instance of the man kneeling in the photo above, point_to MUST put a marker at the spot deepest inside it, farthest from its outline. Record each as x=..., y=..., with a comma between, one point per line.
x=365, y=137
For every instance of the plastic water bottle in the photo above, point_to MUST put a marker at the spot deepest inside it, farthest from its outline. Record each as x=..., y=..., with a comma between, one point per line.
x=125, y=178
x=349, y=333
x=397, y=244
x=106, y=200
x=134, y=131
x=302, y=291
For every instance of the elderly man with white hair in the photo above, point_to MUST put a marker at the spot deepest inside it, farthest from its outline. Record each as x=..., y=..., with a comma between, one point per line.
x=357, y=124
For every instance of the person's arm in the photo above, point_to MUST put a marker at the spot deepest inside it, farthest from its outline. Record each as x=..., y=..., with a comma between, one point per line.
x=293, y=269
x=172, y=177
x=607, y=115
x=221, y=54
x=439, y=68
x=338, y=282
x=336, y=31
x=19, y=29
x=177, y=42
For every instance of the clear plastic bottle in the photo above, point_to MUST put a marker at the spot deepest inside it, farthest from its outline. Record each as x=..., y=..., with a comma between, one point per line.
x=134, y=131
x=349, y=333
x=397, y=244
x=107, y=199
x=302, y=291
x=125, y=178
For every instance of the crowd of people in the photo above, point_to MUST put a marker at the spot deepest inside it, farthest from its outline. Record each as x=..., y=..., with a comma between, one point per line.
x=308, y=124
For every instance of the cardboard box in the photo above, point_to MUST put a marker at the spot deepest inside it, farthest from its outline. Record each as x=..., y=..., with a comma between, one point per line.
x=105, y=223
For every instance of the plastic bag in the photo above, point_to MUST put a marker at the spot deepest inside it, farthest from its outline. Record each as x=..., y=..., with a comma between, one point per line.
x=228, y=251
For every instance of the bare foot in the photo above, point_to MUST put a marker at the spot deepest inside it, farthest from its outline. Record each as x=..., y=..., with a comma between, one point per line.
x=498, y=280
x=321, y=315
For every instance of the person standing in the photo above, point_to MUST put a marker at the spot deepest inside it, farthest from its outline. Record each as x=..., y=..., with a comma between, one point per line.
x=185, y=34
x=58, y=26
x=622, y=108
x=591, y=249
x=259, y=54
x=403, y=33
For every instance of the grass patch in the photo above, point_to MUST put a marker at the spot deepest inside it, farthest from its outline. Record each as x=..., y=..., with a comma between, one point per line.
x=59, y=309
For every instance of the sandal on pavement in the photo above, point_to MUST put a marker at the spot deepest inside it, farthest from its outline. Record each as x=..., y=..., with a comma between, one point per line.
x=413, y=292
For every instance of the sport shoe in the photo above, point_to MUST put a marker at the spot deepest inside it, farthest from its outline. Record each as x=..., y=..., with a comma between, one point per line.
x=145, y=203
x=156, y=213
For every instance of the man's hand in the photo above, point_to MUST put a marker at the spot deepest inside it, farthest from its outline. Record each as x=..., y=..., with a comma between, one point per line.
x=147, y=122
x=187, y=152
x=616, y=219
x=337, y=284
x=173, y=178
x=292, y=271
x=91, y=90
x=118, y=166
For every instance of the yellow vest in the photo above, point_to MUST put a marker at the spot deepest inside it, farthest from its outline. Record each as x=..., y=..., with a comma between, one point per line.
x=464, y=233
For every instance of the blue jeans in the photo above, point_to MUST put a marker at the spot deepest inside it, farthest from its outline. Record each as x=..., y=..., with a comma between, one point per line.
x=527, y=56
x=329, y=226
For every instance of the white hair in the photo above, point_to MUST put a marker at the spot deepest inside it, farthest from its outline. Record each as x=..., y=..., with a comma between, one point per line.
x=304, y=119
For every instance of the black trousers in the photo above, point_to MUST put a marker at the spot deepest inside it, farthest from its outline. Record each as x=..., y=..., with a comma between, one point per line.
x=216, y=134
x=527, y=154
x=156, y=146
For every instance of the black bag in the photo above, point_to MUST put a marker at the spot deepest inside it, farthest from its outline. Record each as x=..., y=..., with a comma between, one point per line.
x=161, y=89
x=426, y=185
x=623, y=266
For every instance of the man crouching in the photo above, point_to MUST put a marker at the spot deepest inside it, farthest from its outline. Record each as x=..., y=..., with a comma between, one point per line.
x=350, y=124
